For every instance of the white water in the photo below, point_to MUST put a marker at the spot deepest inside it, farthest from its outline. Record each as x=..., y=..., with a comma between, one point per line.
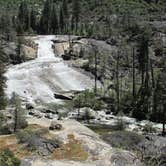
x=38, y=80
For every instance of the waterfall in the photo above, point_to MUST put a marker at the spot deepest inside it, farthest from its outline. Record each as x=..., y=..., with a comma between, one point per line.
x=38, y=80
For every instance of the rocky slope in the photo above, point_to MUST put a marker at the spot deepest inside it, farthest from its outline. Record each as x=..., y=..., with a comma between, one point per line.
x=99, y=153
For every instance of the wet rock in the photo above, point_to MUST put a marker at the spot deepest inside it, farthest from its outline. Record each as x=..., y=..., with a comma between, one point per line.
x=66, y=57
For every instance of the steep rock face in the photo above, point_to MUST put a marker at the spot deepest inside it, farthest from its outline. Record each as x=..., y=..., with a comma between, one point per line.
x=99, y=152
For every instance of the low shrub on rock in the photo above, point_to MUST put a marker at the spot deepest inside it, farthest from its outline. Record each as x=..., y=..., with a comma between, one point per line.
x=7, y=158
x=35, y=141
x=123, y=139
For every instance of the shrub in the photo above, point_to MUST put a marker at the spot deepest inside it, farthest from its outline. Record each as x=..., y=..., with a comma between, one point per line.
x=7, y=158
x=120, y=125
x=123, y=139
x=87, y=99
x=148, y=128
x=25, y=135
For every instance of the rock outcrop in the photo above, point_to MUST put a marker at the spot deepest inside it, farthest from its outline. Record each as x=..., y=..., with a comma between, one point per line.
x=28, y=53
x=99, y=152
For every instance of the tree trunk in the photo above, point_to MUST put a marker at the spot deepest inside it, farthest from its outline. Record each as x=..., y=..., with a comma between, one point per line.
x=152, y=74
x=163, y=131
x=134, y=93
x=95, y=72
x=15, y=120
x=117, y=82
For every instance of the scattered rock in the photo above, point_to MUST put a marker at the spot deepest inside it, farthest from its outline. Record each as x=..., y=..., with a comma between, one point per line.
x=66, y=57
x=29, y=106
x=55, y=126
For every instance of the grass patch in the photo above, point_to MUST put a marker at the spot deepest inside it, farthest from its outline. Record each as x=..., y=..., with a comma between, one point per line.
x=73, y=150
x=10, y=142
x=101, y=130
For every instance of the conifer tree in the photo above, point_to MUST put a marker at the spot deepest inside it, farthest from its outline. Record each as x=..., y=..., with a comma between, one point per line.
x=24, y=15
x=2, y=86
x=76, y=13
x=45, y=20
x=65, y=14
x=18, y=113
x=33, y=19
x=61, y=20
x=54, y=20
x=159, y=111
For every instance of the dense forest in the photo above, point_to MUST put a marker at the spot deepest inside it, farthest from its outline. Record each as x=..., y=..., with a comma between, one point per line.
x=132, y=75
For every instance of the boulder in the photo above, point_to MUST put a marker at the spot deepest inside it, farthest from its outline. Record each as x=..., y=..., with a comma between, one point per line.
x=29, y=106
x=28, y=53
x=55, y=126
x=66, y=57
x=63, y=96
x=80, y=63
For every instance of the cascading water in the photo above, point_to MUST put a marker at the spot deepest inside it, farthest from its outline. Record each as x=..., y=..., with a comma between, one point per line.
x=38, y=80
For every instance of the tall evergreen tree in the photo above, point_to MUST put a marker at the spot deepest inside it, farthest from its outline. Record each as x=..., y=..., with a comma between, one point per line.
x=54, y=20
x=76, y=13
x=45, y=21
x=18, y=113
x=160, y=95
x=33, y=19
x=2, y=83
x=24, y=15
x=143, y=57
x=61, y=21
x=65, y=14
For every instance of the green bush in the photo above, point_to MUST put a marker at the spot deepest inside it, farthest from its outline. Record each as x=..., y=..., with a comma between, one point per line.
x=7, y=158
x=120, y=125
x=87, y=99
x=148, y=128
x=24, y=136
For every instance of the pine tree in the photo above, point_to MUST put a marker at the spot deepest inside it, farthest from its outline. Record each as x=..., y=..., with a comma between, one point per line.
x=33, y=19
x=45, y=21
x=2, y=85
x=65, y=9
x=61, y=20
x=160, y=96
x=24, y=16
x=143, y=57
x=142, y=107
x=76, y=13
x=65, y=14
x=54, y=20
x=18, y=113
